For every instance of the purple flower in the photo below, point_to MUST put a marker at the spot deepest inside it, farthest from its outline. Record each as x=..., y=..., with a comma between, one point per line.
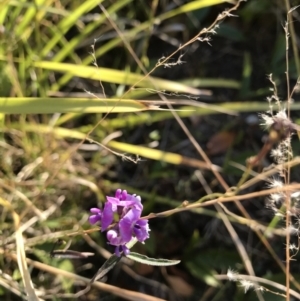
x=96, y=217
x=123, y=211
x=127, y=223
x=120, y=204
x=141, y=230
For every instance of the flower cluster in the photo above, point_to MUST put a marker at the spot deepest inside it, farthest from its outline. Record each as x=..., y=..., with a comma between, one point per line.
x=121, y=216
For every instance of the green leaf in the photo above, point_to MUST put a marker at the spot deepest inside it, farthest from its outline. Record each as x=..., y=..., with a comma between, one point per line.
x=47, y=105
x=191, y=6
x=116, y=76
x=151, y=261
x=66, y=23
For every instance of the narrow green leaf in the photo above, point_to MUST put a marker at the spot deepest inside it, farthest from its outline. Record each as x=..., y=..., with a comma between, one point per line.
x=191, y=6
x=155, y=154
x=3, y=11
x=66, y=23
x=151, y=261
x=73, y=43
x=47, y=9
x=37, y=105
x=117, y=76
x=28, y=17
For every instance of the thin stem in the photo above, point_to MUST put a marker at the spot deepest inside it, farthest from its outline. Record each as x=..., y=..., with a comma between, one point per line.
x=293, y=35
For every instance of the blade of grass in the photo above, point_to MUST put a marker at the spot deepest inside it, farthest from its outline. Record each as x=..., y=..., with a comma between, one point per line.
x=212, y=82
x=66, y=23
x=126, y=294
x=28, y=18
x=135, y=33
x=46, y=9
x=21, y=257
x=86, y=30
x=186, y=111
x=115, y=76
x=194, y=5
x=36, y=105
x=142, y=151
x=59, y=132
x=69, y=46
x=3, y=11
x=159, y=155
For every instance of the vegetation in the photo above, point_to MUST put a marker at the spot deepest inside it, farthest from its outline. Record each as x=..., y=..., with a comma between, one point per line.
x=164, y=99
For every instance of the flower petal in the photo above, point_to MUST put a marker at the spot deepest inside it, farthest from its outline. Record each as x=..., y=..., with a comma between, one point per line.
x=141, y=230
x=126, y=251
x=96, y=216
x=120, y=249
x=107, y=215
x=95, y=210
x=93, y=219
x=129, y=208
x=113, y=200
x=127, y=223
x=113, y=237
x=123, y=195
x=118, y=193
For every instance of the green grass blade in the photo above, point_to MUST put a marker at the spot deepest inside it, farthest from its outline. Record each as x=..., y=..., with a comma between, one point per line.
x=68, y=22
x=87, y=30
x=3, y=11
x=46, y=9
x=28, y=18
x=212, y=83
x=194, y=5
x=155, y=154
x=68, y=48
x=116, y=76
x=59, y=132
x=36, y=105
x=135, y=32
x=144, y=117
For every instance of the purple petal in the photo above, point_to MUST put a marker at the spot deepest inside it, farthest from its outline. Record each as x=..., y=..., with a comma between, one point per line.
x=120, y=249
x=114, y=238
x=122, y=198
x=93, y=219
x=118, y=193
x=127, y=222
x=114, y=201
x=126, y=251
x=107, y=215
x=132, y=216
x=129, y=208
x=126, y=232
x=129, y=198
x=142, y=222
x=141, y=230
x=131, y=203
x=95, y=210
x=123, y=195
x=96, y=217
x=133, y=197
